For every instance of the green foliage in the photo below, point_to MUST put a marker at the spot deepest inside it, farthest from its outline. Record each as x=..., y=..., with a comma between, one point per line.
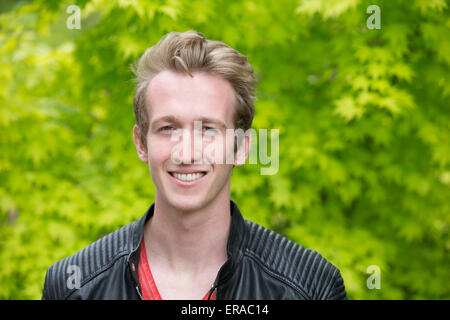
x=363, y=116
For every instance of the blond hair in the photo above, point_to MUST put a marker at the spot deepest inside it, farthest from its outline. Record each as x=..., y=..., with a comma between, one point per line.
x=188, y=52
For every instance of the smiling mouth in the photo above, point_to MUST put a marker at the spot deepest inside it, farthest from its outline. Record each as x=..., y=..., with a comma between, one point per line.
x=187, y=177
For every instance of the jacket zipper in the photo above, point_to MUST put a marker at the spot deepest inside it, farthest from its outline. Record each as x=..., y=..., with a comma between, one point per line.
x=216, y=282
x=136, y=285
x=211, y=291
x=139, y=292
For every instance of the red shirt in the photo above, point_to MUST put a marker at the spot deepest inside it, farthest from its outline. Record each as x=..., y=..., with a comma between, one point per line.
x=148, y=285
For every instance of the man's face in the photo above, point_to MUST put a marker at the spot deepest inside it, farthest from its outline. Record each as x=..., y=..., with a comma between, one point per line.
x=174, y=101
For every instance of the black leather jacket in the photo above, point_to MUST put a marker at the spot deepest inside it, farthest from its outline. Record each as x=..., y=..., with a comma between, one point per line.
x=261, y=265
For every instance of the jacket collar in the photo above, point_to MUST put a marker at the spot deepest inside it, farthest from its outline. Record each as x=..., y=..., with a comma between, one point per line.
x=234, y=244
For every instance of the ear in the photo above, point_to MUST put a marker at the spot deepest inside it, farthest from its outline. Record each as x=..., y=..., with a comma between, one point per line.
x=243, y=151
x=141, y=150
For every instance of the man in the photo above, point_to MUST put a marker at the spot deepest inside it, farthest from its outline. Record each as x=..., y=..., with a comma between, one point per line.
x=193, y=243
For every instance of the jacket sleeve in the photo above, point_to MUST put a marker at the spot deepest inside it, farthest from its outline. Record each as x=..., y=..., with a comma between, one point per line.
x=45, y=295
x=51, y=283
x=337, y=291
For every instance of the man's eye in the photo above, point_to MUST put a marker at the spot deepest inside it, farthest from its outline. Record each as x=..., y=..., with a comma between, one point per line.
x=208, y=128
x=166, y=128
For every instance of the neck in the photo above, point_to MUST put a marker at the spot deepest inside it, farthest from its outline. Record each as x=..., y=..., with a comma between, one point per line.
x=189, y=242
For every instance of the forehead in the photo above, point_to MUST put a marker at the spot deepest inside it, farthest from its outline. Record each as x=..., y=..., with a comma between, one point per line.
x=187, y=98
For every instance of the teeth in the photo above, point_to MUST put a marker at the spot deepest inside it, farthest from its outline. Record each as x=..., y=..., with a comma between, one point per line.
x=188, y=177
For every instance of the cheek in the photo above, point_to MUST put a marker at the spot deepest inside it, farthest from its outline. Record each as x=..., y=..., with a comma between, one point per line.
x=159, y=151
x=222, y=176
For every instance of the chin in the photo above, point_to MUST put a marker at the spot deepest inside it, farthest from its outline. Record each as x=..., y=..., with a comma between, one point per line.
x=187, y=204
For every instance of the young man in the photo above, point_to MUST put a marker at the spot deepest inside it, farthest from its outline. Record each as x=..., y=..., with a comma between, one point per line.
x=193, y=243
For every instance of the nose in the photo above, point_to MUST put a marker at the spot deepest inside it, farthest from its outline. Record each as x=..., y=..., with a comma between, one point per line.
x=191, y=150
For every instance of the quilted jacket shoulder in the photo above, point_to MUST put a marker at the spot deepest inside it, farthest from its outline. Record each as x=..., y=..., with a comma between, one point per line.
x=88, y=263
x=304, y=270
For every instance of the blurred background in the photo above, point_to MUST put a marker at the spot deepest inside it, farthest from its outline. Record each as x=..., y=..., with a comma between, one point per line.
x=363, y=115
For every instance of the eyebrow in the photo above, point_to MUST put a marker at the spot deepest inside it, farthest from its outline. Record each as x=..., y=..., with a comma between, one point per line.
x=173, y=119
x=170, y=119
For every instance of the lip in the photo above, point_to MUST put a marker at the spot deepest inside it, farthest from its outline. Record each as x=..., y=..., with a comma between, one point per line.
x=187, y=184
